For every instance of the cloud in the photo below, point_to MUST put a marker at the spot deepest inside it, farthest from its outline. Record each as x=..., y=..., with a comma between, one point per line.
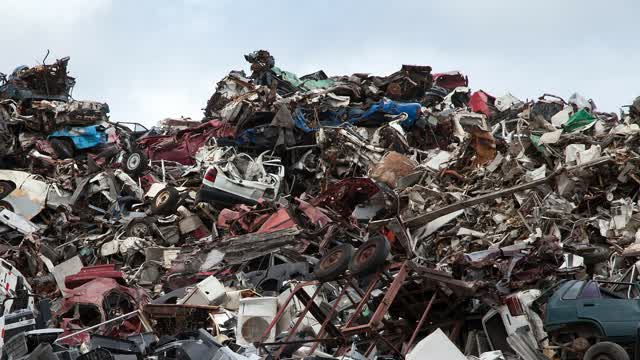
x=148, y=106
x=49, y=16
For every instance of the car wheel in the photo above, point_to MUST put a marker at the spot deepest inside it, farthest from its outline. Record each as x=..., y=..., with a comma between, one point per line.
x=334, y=263
x=166, y=201
x=139, y=228
x=370, y=256
x=606, y=350
x=135, y=163
x=6, y=187
x=50, y=253
x=5, y=205
x=595, y=254
x=62, y=147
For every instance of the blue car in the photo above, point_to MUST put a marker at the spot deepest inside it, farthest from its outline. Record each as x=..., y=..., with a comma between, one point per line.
x=85, y=137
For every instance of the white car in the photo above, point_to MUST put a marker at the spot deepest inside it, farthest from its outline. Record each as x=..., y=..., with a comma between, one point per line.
x=232, y=178
x=22, y=193
x=16, y=315
x=504, y=323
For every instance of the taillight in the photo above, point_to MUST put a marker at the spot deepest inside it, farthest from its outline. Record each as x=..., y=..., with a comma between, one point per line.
x=210, y=175
x=2, y=333
x=514, y=305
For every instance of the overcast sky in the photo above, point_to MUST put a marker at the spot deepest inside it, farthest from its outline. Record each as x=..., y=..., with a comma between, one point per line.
x=155, y=59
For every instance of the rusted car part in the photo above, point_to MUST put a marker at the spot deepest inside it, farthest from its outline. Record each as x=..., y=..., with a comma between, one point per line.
x=96, y=302
x=48, y=82
x=375, y=329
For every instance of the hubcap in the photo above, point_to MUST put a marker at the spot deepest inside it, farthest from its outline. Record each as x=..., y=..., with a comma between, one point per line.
x=134, y=161
x=139, y=230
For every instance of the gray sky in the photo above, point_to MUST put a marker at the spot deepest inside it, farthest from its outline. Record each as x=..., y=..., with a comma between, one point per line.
x=155, y=59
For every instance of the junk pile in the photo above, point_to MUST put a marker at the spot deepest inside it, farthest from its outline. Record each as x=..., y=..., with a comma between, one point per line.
x=352, y=217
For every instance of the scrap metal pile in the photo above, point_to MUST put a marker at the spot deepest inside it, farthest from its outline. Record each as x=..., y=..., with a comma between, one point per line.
x=352, y=217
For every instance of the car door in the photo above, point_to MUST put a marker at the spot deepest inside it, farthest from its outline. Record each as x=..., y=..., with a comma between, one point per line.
x=618, y=316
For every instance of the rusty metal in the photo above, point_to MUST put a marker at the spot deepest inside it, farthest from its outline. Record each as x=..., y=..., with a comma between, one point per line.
x=387, y=300
x=309, y=307
x=420, y=323
x=328, y=318
x=276, y=318
x=363, y=302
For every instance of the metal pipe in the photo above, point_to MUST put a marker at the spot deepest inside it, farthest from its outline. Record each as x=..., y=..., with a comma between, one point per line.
x=422, y=319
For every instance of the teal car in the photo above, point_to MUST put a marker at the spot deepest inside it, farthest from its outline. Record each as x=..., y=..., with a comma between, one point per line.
x=582, y=315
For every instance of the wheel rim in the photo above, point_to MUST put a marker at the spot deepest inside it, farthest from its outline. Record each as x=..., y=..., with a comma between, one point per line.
x=139, y=230
x=163, y=197
x=133, y=161
x=365, y=252
x=331, y=259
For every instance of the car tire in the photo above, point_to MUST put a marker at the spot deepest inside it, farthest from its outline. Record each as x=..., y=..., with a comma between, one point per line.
x=50, y=253
x=6, y=188
x=6, y=205
x=166, y=201
x=370, y=256
x=62, y=147
x=606, y=350
x=135, y=163
x=139, y=228
x=595, y=254
x=334, y=263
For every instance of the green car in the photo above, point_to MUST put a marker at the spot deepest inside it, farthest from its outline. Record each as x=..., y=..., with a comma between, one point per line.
x=599, y=320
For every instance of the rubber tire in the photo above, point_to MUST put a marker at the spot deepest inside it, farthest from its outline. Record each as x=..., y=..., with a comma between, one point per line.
x=594, y=255
x=63, y=147
x=135, y=163
x=6, y=188
x=166, y=201
x=6, y=205
x=50, y=253
x=136, y=225
x=370, y=256
x=334, y=263
x=612, y=351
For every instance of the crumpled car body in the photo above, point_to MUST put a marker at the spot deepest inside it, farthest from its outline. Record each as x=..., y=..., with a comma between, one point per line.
x=95, y=302
x=82, y=137
x=182, y=146
x=450, y=80
x=48, y=82
x=73, y=113
x=239, y=178
x=29, y=195
x=517, y=312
